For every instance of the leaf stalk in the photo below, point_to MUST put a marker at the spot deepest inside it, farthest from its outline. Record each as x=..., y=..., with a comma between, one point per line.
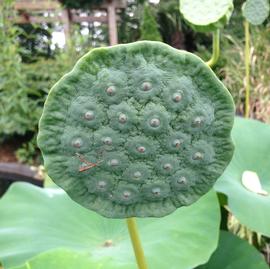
x=136, y=243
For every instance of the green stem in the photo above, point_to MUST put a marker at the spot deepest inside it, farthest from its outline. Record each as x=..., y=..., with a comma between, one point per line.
x=135, y=239
x=247, y=67
x=215, y=49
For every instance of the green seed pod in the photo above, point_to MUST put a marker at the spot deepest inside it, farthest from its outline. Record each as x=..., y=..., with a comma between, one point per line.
x=206, y=15
x=129, y=122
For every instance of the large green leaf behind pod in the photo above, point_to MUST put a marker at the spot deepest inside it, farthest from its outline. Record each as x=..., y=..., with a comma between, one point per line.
x=252, y=152
x=65, y=259
x=256, y=11
x=234, y=253
x=206, y=15
x=34, y=220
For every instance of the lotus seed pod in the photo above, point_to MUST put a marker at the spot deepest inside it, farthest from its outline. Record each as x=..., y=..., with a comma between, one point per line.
x=256, y=11
x=137, y=130
x=206, y=15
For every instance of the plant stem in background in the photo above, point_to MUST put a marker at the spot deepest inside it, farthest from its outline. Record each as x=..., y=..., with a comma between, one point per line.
x=136, y=243
x=247, y=67
x=215, y=49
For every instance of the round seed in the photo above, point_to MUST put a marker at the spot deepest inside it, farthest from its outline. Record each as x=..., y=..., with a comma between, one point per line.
x=181, y=180
x=77, y=143
x=177, y=143
x=156, y=191
x=197, y=121
x=155, y=122
x=141, y=149
x=167, y=166
x=101, y=184
x=111, y=90
x=122, y=118
x=107, y=141
x=113, y=162
x=177, y=97
x=89, y=115
x=146, y=86
x=126, y=194
x=137, y=174
x=198, y=156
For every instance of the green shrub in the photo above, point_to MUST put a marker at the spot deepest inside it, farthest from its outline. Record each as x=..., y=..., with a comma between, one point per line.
x=149, y=27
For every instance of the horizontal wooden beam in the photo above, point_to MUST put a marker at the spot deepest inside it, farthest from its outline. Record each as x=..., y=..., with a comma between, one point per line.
x=24, y=19
x=76, y=18
x=37, y=5
x=37, y=19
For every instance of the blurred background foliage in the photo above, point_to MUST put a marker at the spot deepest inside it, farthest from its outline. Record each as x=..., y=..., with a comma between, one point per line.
x=31, y=63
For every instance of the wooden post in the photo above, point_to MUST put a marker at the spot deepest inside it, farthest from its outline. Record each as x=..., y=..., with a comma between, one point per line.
x=66, y=22
x=112, y=25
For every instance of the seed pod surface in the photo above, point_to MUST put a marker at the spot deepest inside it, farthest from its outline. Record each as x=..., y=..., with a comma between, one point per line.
x=137, y=130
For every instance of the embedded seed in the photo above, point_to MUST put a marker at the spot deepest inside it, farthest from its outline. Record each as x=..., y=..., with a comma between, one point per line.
x=89, y=115
x=137, y=174
x=156, y=191
x=181, y=180
x=198, y=156
x=146, y=86
x=77, y=143
x=101, y=184
x=197, y=121
x=155, y=122
x=167, y=166
x=177, y=97
x=107, y=141
x=111, y=90
x=113, y=162
x=141, y=149
x=177, y=143
x=122, y=118
x=126, y=194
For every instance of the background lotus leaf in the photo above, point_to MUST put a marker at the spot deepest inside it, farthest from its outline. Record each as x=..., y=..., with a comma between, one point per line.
x=256, y=11
x=234, y=253
x=206, y=15
x=64, y=259
x=252, y=152
x=44, y=219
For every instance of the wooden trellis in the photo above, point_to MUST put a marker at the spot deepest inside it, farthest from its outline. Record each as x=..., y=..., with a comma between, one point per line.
x=32, y=11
